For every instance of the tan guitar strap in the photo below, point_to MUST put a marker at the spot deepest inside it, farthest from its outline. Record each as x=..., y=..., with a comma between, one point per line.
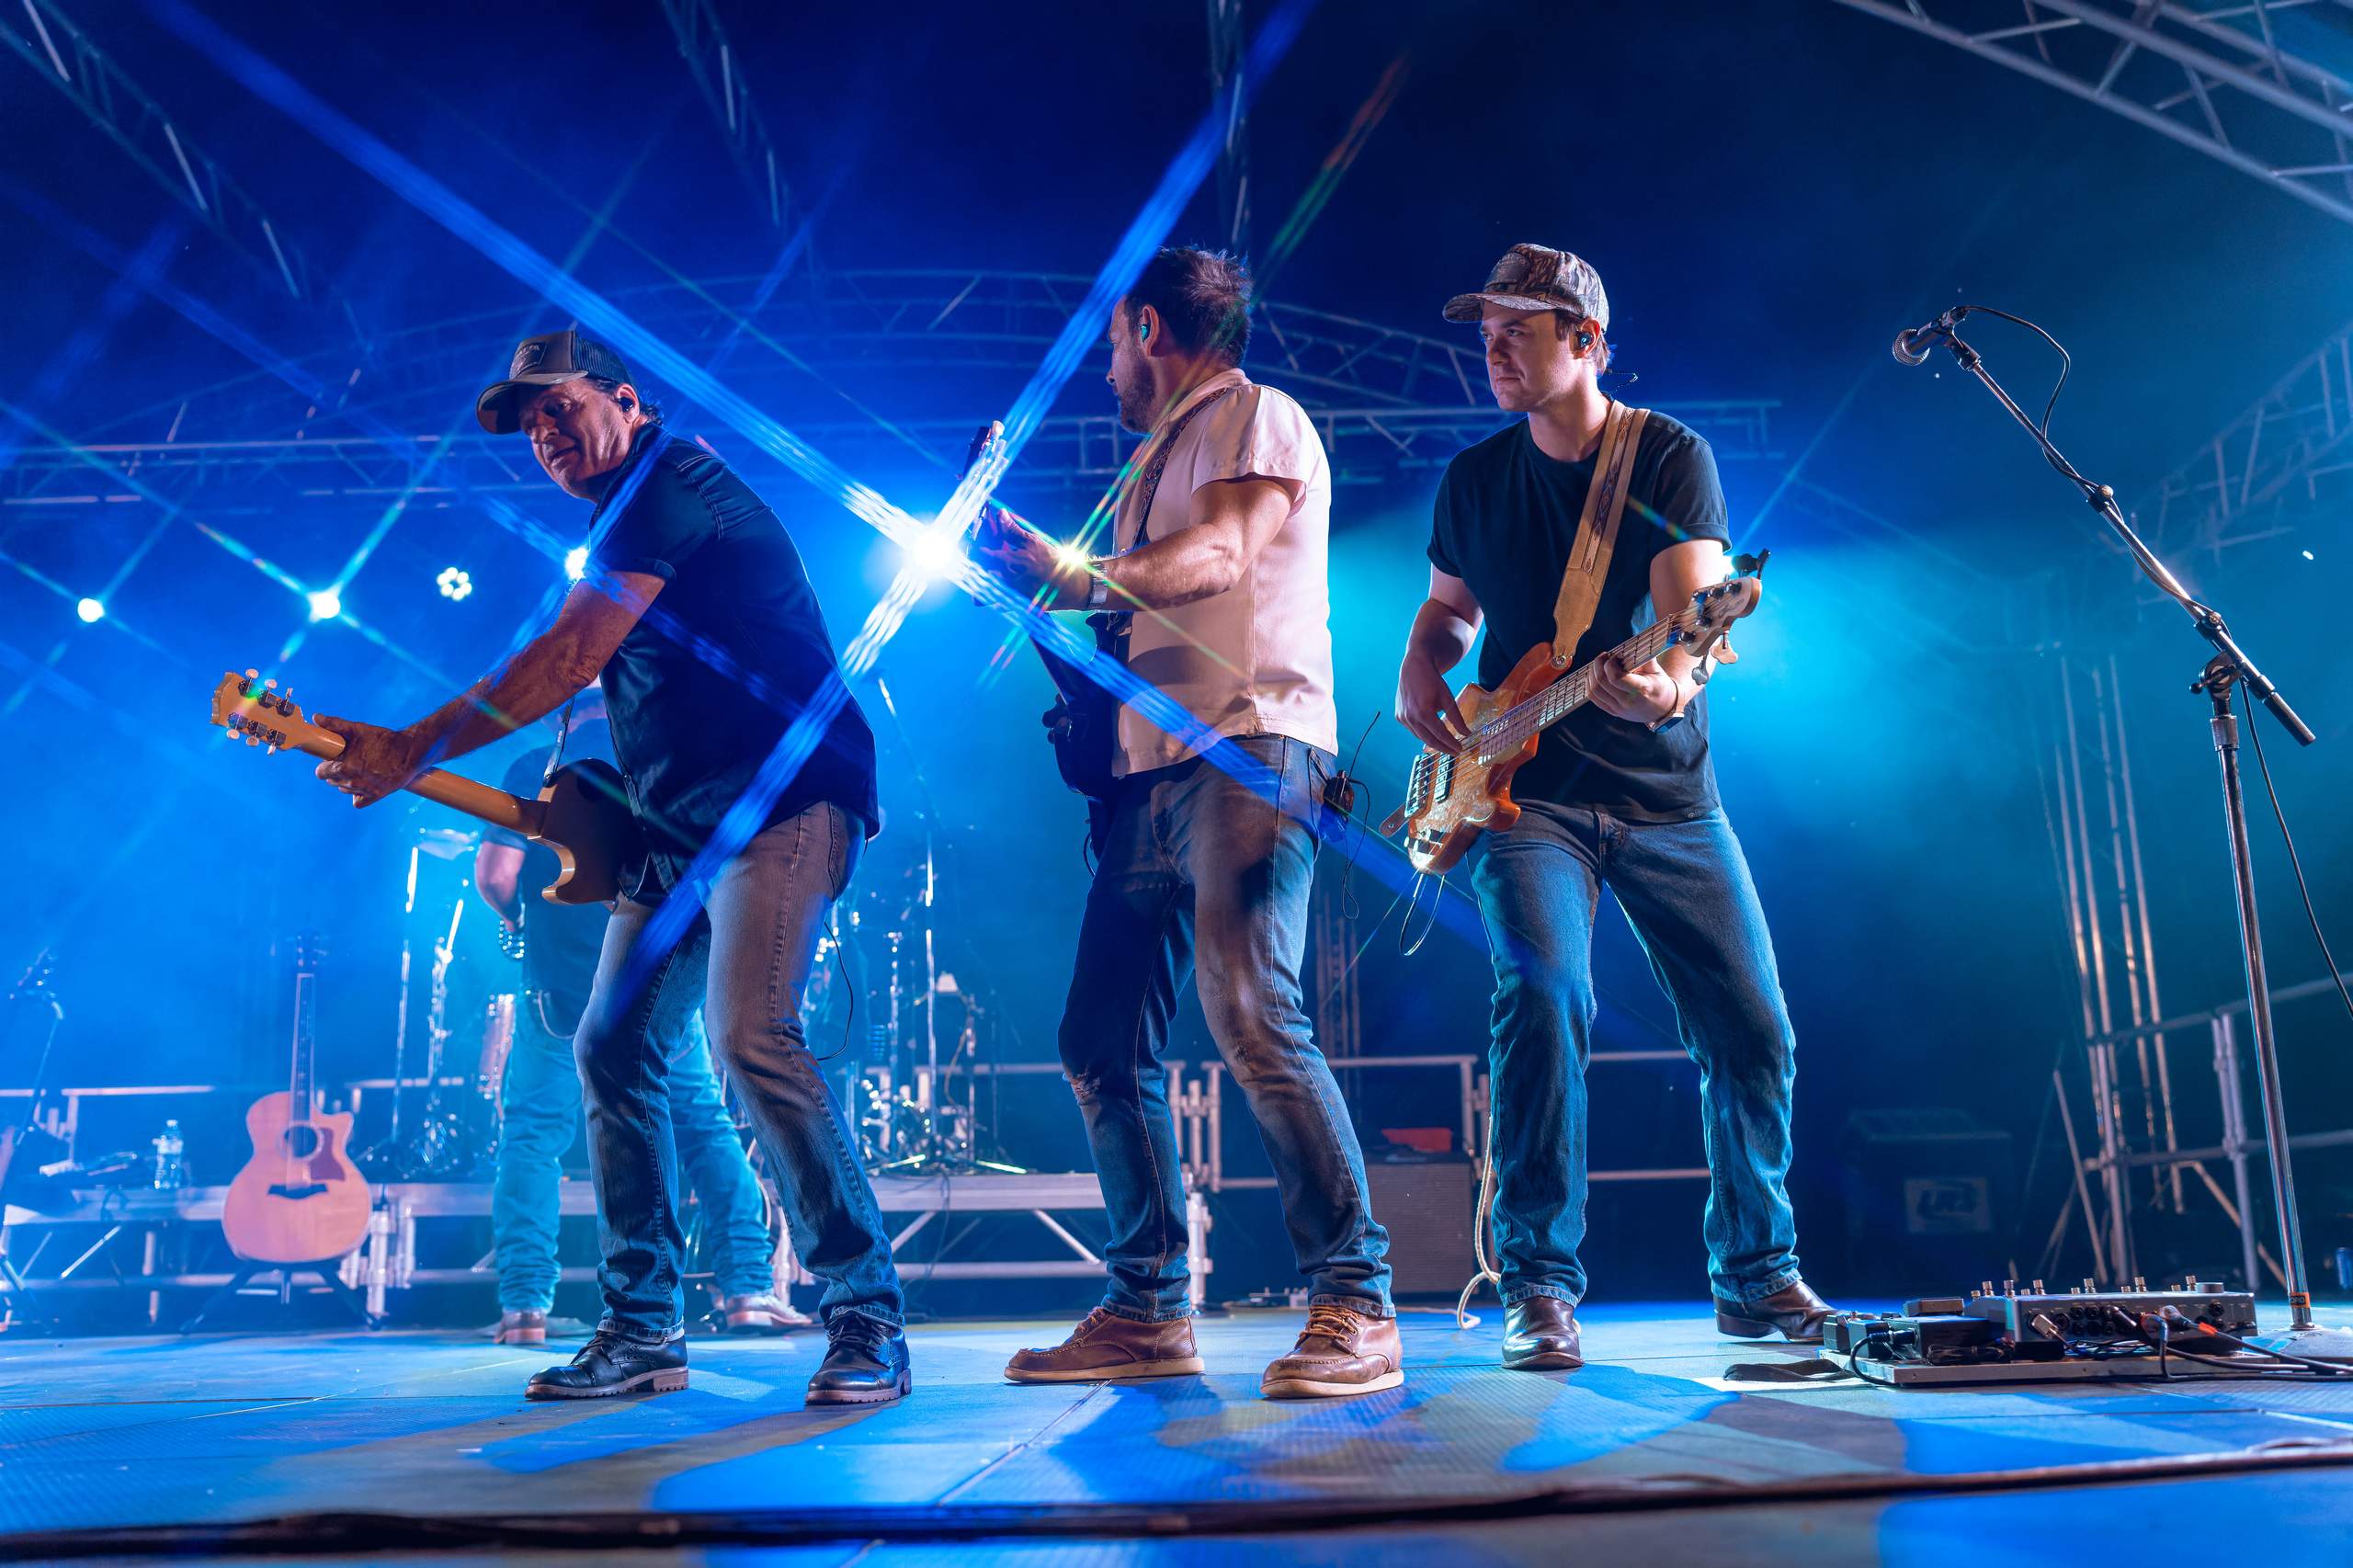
x=1605, y=503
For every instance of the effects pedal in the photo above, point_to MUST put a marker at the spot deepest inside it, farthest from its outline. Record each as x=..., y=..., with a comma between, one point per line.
x=2011, y=1335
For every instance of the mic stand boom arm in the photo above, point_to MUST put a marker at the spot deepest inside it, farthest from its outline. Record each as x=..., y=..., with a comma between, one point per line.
x=2229, y=667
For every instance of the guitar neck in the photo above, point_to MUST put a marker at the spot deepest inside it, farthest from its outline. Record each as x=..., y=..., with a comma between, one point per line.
x=1510, y=729
x=479, y=802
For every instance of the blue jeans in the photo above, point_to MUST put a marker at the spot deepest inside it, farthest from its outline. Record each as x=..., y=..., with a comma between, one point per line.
x=540, y=1111
x=1200, y=867
x=745, y=960
x=1685, y=891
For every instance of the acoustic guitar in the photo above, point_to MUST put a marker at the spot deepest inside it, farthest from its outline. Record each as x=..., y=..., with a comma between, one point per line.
x=299, y=1199
x=583, y=814
x=1451, y=797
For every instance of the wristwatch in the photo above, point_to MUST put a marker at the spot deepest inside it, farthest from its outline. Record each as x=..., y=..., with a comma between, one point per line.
x=1098, y=588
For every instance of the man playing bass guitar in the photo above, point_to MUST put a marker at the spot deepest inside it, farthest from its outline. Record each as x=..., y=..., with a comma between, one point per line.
x=1618, y=793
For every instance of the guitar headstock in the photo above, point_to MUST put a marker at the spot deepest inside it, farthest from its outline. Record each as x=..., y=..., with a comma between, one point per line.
x=1701, y=630
x=249, y=706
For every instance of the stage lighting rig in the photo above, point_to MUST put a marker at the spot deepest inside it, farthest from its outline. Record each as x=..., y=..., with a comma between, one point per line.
x=326, y=603
x=455, y=583
x=91, y=611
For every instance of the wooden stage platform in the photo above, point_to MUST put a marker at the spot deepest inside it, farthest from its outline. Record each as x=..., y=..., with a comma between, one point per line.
x=1647, y=1455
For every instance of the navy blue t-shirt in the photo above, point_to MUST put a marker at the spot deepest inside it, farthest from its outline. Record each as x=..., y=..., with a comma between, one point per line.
x=729, y=654
x=1505, y=517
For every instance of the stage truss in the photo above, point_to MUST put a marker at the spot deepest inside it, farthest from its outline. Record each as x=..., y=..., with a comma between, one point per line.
x=2242, y=82
x=1386, y=401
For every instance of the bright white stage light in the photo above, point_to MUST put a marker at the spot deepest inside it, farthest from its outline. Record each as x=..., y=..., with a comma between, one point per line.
x=91, y=611
x=326, y=603
x=935, y=556
x=576, y=563
x=454, y=582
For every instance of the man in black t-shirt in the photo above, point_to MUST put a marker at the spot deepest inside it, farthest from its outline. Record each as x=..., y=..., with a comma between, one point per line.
x=539, y=1091
x=1620, y=794
x=695, y=608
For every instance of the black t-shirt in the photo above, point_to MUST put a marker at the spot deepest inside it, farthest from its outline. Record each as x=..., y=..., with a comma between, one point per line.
x=1505, y=517
x=560, y=942
x=726, y=657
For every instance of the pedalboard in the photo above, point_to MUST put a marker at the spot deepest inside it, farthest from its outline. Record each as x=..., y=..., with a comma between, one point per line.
x=2037, y=1335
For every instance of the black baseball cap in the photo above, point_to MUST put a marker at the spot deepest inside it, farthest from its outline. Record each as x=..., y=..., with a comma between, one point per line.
x=547, y=361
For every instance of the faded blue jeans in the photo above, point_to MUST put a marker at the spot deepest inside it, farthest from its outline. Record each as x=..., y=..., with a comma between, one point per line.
x=1685, y=891
x=745, y=961
x=538, y=1113
x=1200, y=868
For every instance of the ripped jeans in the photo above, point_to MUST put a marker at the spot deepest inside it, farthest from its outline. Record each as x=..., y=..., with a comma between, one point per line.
x=1211, y=868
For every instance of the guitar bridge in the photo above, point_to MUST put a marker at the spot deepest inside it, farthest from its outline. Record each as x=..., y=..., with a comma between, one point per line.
x=307, y=1190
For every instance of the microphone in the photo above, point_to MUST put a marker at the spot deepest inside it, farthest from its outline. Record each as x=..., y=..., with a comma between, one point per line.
x=1911, y=345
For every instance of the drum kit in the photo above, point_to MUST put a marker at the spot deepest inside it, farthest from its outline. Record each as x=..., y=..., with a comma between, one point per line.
x=898, y=1032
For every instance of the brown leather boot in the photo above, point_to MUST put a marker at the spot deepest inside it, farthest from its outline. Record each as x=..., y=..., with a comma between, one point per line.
x=1540, y=1336
x=1794, y=1309
x=521, y=1329
x=1105, y=1346
x=765, y=1313
x=1341, y=1351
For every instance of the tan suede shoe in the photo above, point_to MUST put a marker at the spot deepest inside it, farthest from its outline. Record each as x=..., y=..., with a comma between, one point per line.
x=1105, y=1346
x=1341, y=1351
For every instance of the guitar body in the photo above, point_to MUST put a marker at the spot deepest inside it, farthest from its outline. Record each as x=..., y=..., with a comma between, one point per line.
x=1470, y=794
x=585, y=818
x=299, y=1199
x=1451, y=797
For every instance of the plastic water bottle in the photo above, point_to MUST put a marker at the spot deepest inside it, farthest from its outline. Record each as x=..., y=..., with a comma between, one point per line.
x=168, y=1158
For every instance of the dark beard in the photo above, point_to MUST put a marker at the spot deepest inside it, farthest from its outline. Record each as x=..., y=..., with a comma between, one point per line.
x=1135, y=417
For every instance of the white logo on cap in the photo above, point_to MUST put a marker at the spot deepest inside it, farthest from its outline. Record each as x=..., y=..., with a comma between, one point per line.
x=528, y=357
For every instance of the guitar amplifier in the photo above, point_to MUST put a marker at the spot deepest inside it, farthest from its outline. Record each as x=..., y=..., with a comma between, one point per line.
x=1429, y=1208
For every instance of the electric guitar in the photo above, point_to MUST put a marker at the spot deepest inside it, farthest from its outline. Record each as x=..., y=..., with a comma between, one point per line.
x=1083, y=722
x=299, y=1199
x=1453, y=795
x=582, y=814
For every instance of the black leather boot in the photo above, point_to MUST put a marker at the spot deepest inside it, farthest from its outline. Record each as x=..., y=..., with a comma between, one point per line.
x=1793, y=1310
x=1540, y=1336
x=866, y=1362
x=608, y=1364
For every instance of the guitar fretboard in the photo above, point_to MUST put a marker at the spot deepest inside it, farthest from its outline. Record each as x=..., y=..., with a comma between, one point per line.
x=1509, y=729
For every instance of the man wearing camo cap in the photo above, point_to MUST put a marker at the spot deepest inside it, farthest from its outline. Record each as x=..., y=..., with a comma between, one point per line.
x=1618, y=793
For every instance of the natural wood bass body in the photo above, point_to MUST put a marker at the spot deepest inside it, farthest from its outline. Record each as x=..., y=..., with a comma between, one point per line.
x=1452, y=797
x=1473, y=795
x=299, y=1199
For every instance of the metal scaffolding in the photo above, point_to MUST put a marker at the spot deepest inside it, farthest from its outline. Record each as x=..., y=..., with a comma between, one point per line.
x=1229, y=45
x=2282, y=458
x=718, y=72
x=61, y=54
x=2241, y=81
x=1386, y=401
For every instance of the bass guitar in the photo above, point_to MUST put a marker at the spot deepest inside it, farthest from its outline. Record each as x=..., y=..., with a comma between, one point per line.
x=299, y=1199
x=582, y=814
x=1451, y=797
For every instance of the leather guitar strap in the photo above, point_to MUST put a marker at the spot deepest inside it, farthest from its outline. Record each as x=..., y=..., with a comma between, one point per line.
x=1605, y=503
x=1118, y=622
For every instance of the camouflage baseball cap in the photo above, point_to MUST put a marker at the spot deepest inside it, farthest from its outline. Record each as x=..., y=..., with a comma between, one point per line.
x=544, y=361
x=1536, y=277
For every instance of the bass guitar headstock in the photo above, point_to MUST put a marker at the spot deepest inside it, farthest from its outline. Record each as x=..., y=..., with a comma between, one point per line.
x=1703, y=630
x=250, y=707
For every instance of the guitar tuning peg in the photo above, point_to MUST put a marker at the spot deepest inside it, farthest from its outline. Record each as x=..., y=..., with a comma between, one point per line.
x=252, y=741
x=253, y=675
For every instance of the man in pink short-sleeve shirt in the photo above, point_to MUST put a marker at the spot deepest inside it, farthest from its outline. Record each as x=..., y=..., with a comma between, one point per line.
x=1208, y=856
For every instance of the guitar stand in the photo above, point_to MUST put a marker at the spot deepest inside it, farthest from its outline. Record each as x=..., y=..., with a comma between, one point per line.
x=324, y=1270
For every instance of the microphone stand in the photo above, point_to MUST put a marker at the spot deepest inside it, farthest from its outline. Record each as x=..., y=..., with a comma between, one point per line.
x=2228, y=670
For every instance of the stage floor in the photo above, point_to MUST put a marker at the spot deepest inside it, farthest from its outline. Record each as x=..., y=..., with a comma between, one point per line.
x=165, y=1431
